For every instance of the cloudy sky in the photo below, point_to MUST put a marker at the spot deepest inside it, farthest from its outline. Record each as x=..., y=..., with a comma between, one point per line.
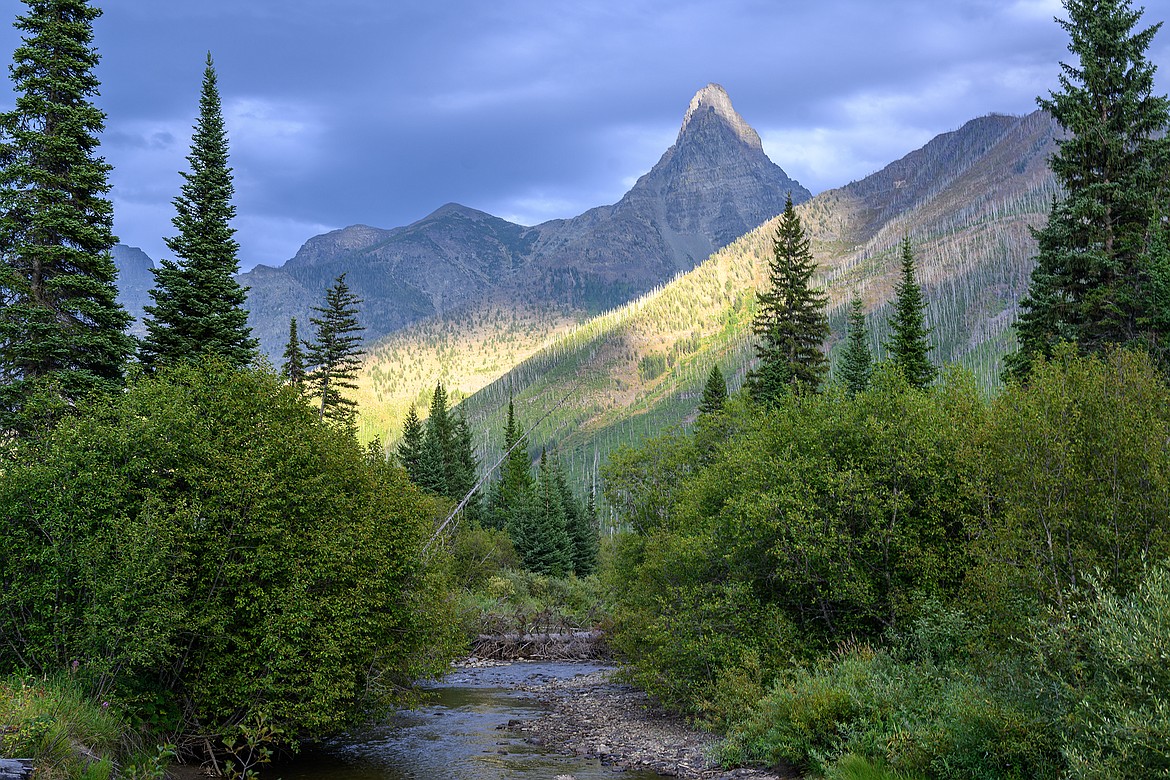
x=379, y=111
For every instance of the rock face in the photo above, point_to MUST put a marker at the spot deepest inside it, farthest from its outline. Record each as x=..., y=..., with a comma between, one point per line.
x=135, y=282
x=713, y=185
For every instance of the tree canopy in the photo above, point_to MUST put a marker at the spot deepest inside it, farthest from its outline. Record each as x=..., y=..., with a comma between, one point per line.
x=1098, y=256
x=198, y=304
x=61, y=329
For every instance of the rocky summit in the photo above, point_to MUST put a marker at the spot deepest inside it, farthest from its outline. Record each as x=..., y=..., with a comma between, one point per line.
x=713, y=185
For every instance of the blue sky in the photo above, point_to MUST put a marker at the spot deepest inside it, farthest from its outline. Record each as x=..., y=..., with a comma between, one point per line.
x=376, y=112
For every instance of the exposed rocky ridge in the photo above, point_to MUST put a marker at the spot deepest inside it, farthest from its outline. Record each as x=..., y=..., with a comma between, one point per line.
x=135, y=282
x=714, y=184
x=968, y=200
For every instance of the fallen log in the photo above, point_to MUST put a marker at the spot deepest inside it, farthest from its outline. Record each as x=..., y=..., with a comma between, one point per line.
x=558, y=646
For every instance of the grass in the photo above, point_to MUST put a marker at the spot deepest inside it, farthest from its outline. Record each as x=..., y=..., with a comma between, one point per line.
x=69, y=735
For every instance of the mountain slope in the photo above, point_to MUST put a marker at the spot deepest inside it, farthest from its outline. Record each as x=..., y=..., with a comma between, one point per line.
x=135, y=281
x=967, y=200
x=712, y=185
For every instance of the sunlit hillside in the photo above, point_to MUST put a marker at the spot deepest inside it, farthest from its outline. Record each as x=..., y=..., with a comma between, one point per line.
x=967, y=201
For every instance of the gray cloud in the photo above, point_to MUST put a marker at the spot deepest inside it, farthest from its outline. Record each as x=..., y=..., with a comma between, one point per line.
x=365, y=111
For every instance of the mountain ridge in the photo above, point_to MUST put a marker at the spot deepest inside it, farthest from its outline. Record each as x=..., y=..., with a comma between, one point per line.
x=713, y=184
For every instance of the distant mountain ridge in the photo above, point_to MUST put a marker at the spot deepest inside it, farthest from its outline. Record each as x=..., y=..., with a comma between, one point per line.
x=714, y=184
x=968, y=200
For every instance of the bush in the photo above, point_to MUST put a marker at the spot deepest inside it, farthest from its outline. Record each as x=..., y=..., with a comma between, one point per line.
x=1111, y=664
x=926, y=706
x=202, y=544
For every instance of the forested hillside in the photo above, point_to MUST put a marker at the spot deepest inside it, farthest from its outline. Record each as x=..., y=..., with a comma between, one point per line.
x=967, y=200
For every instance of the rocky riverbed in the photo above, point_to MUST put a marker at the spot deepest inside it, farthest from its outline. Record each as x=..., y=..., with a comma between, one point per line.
x=593, y=716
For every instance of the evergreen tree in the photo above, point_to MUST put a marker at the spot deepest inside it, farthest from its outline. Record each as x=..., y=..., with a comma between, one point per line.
x=909, y=343
x=579, y=525
x=198, y=304
x=334, y=354
x=856, y=360
x=714, y=392
x=790, y=318
x=410, y=448
x=1090, y=283
x=293, y=369
x=515, y=474
x=61, y=329
x=438, y=446
x=464, y=471
x=538, y=527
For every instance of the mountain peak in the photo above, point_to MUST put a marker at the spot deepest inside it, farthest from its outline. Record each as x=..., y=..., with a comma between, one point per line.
x=713, y=99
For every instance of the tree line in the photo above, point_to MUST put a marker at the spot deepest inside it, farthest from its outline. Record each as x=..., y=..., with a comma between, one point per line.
x=890, y=575
x=199, y=540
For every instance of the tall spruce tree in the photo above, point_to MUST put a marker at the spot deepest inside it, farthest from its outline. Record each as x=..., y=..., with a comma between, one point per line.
x=198, y=304
x=856, y=359
x=293, y=369
x=583, y=541
x=464, y=471
x=790, y=318
x=410, y=448
x=538, y=528
x=909, y=342
x=714, y=392
x=515, y=483
x=61, y=329
x=334, y=354
x=1093, y=268
x=437, y=459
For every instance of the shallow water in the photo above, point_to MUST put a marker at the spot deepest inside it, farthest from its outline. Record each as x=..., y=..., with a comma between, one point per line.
x=455, y=736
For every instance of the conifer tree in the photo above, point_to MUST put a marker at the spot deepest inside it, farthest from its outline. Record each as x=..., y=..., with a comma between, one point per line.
x=790, y=318
x=437, y=459
x=856, y=359
x=583, y=542
x=714, y=392
x=293, y=369
x=334, y=354
x=198, y=304
x=1091, y=280
x=464, y=470
x=538, y=527
x=61, y=329
x=515, y=481
x=909, y=342
x=410, y=448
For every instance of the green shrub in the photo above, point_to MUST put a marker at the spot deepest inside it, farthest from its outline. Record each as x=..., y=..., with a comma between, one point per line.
x=1111, y=663
x=203, y=544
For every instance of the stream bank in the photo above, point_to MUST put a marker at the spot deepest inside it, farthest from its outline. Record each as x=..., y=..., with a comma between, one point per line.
x=591, y=716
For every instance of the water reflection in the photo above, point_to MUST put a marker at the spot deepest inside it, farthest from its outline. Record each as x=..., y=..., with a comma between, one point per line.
x=455, y=736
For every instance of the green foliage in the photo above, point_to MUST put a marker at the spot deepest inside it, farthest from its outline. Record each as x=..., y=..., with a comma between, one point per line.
x=45, y=719
x=517, y=601
x=1109, y=661
x=204, y=539
x=790, y=318
x=935, y=715
x=856, y=361
x=198, y=304
x=714, y=392
x=1090, y=283
x=293, y=368
x=61, y=329
x=827, y=517
x=333, y=356
x=1078, y=476
x=909, y=343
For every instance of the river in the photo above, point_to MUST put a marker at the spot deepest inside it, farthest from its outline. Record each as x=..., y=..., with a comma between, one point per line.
x=456, y=736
